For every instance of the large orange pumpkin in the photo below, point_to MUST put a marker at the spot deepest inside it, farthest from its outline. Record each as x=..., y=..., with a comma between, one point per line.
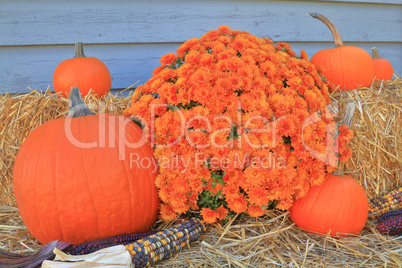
x=86, y=73
x=338, y=206
x=85, y=177
x=383, y=68
x=345, y=66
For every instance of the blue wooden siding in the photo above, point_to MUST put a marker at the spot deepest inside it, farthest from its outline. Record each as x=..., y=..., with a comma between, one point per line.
x=130, y=36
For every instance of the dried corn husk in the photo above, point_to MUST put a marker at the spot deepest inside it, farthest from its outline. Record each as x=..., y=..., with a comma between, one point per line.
x=116, y=256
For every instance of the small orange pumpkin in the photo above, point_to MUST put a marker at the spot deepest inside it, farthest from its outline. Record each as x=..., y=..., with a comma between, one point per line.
x=383, y=68
x=83, y=177
x=338, y=206
x=86, y=73
x=346, y=66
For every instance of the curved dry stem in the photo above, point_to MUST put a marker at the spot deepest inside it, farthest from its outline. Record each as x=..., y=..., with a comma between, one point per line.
x=337, y=37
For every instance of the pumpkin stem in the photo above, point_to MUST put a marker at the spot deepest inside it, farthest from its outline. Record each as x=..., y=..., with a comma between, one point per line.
x=347, y=121
x=76, y=104
x=376, y=53
x=79, y=50
x=331, y=26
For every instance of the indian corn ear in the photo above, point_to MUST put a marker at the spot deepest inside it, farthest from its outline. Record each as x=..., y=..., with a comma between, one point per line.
x=391, y=226
x=390, y=201
x=389, y=214
x=164, y=244
x=92, y=246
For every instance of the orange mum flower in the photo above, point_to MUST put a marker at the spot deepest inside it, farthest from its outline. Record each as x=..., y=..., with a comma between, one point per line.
x=192, y=57
x=303, y=55
x=209, y=160
x=168, y=58
x=201, y=77
x=222, y=212
x=238, y=205
x=258, y=197
x=347, y=153
x=167, y=213
x=209, y=215
x=231, y=191
x=345, y=134
x=286, y=127
x=224, y=29
x=255, y=211
x=206, y=59
x=187, y=46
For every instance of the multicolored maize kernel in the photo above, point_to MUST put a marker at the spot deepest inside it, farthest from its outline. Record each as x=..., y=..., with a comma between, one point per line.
x=92, y=246
x=162, y=245
x=390, y=201
x=389, y=214
x=391, y=226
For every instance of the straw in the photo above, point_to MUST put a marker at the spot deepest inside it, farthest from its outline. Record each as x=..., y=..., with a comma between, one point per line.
x=269, y=241
x=376, y=160
x=20, y=114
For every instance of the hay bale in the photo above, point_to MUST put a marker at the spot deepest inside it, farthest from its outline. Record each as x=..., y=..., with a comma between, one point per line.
x=274, y=241
x=20, y=114
x=271, y=240
x=376, y=160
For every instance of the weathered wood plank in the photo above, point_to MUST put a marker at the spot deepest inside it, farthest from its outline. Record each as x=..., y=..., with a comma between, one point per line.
x=48, y=22
x=33, y=66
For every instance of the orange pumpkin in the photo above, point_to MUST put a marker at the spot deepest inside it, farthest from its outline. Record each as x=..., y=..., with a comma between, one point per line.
x=86, y=73
x=85, y=177
x=345, y=66
x=338, y=206
x=383, y=68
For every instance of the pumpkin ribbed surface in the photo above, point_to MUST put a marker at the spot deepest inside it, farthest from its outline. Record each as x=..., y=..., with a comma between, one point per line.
x=346, y=66
x=338, y=205
x=70, y=193
x=383, y=69
x=87, y=73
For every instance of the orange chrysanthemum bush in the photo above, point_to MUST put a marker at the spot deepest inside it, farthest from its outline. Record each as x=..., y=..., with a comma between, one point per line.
x=238, y=124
